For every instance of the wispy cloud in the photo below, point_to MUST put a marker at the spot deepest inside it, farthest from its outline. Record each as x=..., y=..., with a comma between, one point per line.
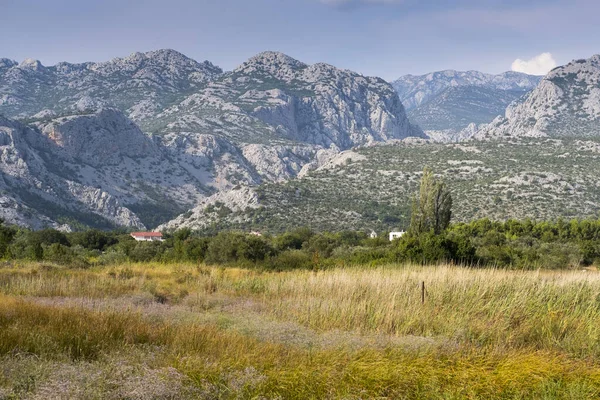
x=538, y=65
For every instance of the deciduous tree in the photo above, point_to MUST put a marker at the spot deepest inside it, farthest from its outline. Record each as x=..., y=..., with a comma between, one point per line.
x=432, y=207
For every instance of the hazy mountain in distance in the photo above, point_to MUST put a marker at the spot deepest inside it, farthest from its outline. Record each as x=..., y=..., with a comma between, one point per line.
x=451, y=100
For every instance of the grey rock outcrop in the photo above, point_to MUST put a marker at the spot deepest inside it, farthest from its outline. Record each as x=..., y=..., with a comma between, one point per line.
x=129, y=83
x=565, y=103
x=37, y=181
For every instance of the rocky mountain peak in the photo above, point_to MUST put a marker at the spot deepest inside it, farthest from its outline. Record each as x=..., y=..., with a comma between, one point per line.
x=511, y=80
x=164, y=61
x=273, y=63
x=7, y=63
x=30, y=63
x=581, y=66
x=139, y=84
x=172, y=60
x=445, y=102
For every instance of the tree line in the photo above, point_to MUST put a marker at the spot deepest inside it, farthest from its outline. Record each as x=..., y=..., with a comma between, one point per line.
x=510, y=244
x=431, y=238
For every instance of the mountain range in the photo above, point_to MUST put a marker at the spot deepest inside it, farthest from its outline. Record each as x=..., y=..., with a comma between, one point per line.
x=137, y=140
x=159, y=139
x=451, y=100
x=539, y=161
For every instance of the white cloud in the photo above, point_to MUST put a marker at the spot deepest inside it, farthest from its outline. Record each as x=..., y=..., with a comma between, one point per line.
x=538, y=65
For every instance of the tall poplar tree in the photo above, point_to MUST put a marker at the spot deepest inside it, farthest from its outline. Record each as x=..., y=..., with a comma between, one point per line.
x=432, y=208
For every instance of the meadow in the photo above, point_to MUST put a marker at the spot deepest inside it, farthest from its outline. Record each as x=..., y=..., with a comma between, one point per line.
x=176, y=331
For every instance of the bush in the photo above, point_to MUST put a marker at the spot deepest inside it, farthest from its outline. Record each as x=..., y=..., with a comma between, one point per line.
x=63, y=255
x=367, y=255
x=146, y=251
x=233, y=247
x=321, y=244
x=559, y=255
x=292, y=240
x=112, y=257
x=195, y=249
x=7, y=235
x=428, y=248
x=93, y=239
x=290, y=259
x=48, y=237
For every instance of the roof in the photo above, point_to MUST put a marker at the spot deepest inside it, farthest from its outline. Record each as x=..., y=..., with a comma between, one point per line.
x=146, y=234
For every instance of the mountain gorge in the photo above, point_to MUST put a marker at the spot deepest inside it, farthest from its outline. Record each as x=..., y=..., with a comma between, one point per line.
x=451, y=100
x=138, y=140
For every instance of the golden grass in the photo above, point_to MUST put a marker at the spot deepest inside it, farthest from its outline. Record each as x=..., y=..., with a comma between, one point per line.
x=343, y=333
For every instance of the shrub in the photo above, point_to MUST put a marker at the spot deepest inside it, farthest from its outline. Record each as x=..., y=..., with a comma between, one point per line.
x=425, y=248
x=232, y=247
x=48, y=237
x=292, y=240
x=93, y=239
x=63, y=255
x=290, y=259
x=146, y=251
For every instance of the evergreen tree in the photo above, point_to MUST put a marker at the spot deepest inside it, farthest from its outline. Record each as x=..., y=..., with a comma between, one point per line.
x=432, y=208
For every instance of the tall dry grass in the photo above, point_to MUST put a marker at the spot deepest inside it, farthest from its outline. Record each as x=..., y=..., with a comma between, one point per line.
x=480, y=333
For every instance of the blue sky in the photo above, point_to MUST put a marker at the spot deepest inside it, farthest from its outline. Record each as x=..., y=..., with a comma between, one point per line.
x=386, y=38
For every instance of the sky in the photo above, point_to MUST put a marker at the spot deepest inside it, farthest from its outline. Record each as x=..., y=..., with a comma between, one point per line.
x=386, y=38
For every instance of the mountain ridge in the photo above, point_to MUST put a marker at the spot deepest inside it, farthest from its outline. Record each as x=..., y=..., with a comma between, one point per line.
x=565, y=103
x=443, y=103
x=157, y=147
x=414, y=90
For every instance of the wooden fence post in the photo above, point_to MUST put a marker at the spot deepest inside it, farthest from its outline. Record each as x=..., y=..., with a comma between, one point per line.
x=423, y=292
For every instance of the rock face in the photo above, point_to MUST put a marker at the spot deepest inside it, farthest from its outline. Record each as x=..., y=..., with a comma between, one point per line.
x=139, y=84
x=103, y=164
x=273, y=97
x=451, y=100
x=38, y=189
x=565, y=103
x=101, y=139
x=136, y=141
x=214, y=208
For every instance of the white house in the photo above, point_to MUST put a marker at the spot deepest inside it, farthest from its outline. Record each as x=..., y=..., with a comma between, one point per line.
x=147, y=236
x=396, y=235
x=373, y=235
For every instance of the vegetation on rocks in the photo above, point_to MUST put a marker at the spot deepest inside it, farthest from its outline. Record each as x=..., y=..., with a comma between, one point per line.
x=540, y=179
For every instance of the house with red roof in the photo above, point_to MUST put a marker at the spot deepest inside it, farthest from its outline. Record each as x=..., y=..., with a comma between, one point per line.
x=147, y=236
